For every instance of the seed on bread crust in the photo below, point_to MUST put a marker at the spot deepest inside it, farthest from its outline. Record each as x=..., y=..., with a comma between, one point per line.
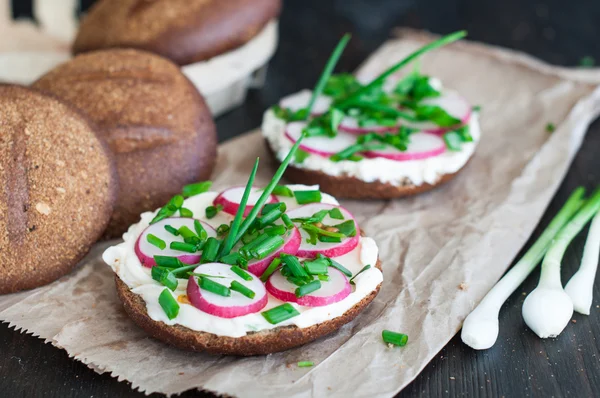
x=151, y=116
x=254, y=343
x=354, y=188
x=49, y=215
x=185, y=31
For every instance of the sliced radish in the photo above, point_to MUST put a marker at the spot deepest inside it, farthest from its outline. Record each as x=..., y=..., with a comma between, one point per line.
x=230, y=199
x=335, y=289
x=328, y=249
x=321, y=145
x=146, y=251
x=451, y=102
x=291, y=246
x=226, y=307
x=421, y=146
x=300, y=100
x=350, y=125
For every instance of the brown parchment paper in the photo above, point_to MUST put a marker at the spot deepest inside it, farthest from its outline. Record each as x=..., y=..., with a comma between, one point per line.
x=441, y=251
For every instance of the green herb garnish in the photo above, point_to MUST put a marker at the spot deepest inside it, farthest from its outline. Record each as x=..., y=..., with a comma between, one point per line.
x=212, y=211
x=183, y=247
x=550, y=127
x=184, y=212
x=210, y=250
x=270, y=269
x=196, y=188
x=308, y=288
x=156, y=241
x=164, y=276
x=240, y=288
x=172, y=230
x=241, y=273
x=282, y=190
x=336, y=214
x=213, y=287
x=280, y=313
x=305, y=364
x=168, y=304
x=398, y=339
x=366, y=267
x=300, y=156
x=168, y=262
x=304, y=197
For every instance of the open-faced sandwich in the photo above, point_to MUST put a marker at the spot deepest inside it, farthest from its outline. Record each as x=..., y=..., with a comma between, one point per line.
x=385, y=138
x=246, y=271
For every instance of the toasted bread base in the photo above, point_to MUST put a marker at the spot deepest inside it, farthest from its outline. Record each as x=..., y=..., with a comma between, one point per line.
x=254, y=343
x=354, y=188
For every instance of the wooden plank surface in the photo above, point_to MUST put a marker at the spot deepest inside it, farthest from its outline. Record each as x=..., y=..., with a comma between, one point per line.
x=520, y=364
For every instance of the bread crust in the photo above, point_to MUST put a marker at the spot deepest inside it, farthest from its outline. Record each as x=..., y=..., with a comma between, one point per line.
x=152, y=117
x=185, y=31
x=60, y=186
x=349, y=187
x=257, y=343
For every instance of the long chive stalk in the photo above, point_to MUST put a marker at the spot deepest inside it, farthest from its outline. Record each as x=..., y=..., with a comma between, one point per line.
x=480, y=329
x=548, y=309
x=393, y=69
x=237, y=221
x=581, y=285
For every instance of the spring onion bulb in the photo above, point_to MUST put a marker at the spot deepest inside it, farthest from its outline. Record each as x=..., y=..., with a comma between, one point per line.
x=480, y=329
x=548, y=309
x=581, y=286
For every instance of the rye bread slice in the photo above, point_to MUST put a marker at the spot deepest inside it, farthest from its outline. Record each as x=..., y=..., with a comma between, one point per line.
x=185, y=31
x=354, y=188
x=152, y=117
x=254, y=343
x=60, y=185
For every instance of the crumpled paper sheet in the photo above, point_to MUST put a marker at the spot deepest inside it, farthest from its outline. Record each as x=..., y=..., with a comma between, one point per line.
x=441, y=251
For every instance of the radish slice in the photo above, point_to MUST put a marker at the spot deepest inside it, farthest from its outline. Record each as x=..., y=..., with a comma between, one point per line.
x=328, y=249
x=146, y=251
x=230, y=199
x=452, y=103
x=300, y=100
x=350, y=125
x=421, y=146
x=291, y=246
x=321, y=145
x=226, y=307
x=335, y=289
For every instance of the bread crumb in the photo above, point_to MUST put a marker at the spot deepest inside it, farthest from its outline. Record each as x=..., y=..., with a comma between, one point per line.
x=43, y=208
x=61, y=190
x=463, y=286
x=574, y=320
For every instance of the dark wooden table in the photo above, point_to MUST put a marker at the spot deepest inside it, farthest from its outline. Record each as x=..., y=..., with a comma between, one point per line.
x=520, y=364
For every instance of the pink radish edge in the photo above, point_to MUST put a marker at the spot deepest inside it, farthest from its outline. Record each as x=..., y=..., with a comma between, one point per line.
x=231, y=207
x=310, y=300
x=291, y=246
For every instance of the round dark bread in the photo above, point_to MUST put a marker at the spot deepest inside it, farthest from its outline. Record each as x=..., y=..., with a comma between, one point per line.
x=59, y=187
x=151, y=116
x=354, y=188
x=185, y=31
x=254, y=343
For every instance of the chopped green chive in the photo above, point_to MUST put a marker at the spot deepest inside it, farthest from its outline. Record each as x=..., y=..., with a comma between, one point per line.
x=222, y=229
x=294, y=266
x=476, y=108
x=304, y=197
x=163, y=213
x=202, y=234
x=321, y=231
x=280, y=313
x=296, y=281
x=394, y=338
x=168, y=262
x=182, y=270
x=175, y=203
x=329, y=239
x=268, y=218
x=171, y=230
x=165, y=277
x=587, y=61
x=211, y=248
x=246, y=249
x=315, y=218
x=267, y=247
x=348, y=228
x=212, y=211
x=231, y=258
x=186, y=232
x=270, y=206
x=240, y=288
x=213, y=287
x=316, y=267
x=241, y=273
x=312, y=236
x=282, y=190
x=335, y=213
x=366, y=267
x=550, y=127
x=308, y=288
x=276, y=230
x=196, y=188
x=340, y=267
x=287, y=221
x=305, y=364
x=185, y=212
x=453, y=141
x=168, y=304
x=156, y=241
x=323, y=278
x=300, y=156
x=270, y=269
x=183, y=247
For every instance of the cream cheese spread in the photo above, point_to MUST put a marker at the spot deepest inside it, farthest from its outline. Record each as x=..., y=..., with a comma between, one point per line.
x=125, y=263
